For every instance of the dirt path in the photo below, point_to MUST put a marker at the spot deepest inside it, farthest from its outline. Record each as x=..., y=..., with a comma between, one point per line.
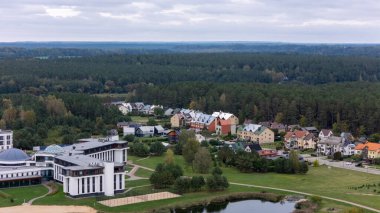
x=30, y=202
x=308, y=194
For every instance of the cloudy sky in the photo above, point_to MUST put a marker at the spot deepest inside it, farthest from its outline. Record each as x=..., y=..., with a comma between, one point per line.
x=326, y=21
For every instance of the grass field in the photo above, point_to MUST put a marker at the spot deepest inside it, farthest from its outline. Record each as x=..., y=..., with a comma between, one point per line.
x=143, y=173
x=141, y=119
x=332, y=182
x=20, y=194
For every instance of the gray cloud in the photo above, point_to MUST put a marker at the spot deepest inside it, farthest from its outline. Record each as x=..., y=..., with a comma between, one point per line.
x=196, y=20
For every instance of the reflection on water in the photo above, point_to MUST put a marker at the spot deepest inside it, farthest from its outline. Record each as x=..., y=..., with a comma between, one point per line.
x=245, y=206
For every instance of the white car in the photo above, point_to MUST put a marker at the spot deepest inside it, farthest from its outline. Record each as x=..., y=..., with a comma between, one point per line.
x=348, y=163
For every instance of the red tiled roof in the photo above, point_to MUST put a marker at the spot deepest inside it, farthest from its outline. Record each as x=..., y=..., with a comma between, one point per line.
x=371, y=146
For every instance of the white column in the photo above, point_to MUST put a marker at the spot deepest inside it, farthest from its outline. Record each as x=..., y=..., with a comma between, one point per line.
x=108, y=178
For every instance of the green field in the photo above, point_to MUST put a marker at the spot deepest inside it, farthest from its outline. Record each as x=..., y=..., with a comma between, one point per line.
x=331, y=182
x=20, y=194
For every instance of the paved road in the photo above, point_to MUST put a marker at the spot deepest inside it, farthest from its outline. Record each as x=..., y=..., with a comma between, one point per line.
x=308, y=194
x=343, y=165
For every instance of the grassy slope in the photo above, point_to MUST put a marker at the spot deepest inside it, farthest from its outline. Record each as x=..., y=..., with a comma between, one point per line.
x=21, y=193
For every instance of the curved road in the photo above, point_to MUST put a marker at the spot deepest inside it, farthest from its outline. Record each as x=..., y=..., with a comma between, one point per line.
x=308, y=194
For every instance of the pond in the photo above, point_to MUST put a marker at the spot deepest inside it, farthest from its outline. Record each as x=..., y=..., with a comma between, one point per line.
x=245, y=206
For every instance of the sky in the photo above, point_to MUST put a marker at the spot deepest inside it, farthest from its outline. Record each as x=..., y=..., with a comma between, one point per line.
x=297, y=21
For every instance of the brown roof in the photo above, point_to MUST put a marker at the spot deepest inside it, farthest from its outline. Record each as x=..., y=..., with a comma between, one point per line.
x=325, y=132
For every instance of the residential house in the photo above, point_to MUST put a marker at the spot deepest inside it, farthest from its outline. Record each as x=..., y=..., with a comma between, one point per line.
x=145, y=131
x=158, y=130
x=168, y=112
x=368, y=150
x=233, y=120
x=325, y=133
x=223, y=127
x=252, y=147
x=312, y=130
x=330, y=145
x=279, y=127
x=295, y=139
x=123, y=107
x=178, y=120
x=173, y=135
x=256, y=133
x=348, y=148
x=127, y=130
x=308, y=142
x=203, y=121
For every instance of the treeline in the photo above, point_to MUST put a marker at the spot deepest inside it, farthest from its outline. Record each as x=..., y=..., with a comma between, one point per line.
x=122, y=73
x=77, y=115
x=351, y=107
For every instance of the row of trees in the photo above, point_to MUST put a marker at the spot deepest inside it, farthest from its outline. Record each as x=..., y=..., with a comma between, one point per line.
x=252, y=162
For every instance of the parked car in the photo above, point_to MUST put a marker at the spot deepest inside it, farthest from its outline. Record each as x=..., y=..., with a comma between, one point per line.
x=359, y=164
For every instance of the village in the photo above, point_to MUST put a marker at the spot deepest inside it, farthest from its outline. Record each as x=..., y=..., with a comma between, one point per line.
x=268, y=138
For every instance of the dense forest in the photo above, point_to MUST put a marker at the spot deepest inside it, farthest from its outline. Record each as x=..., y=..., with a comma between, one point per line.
x=40, y=94
x=73, y=116
x=120, y=73
x=55, y=49
x=347, y=106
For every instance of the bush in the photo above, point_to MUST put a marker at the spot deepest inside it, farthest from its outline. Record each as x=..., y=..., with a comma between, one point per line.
x=140, y=149
x=217, y=183
x=182, y=184
x=304, y=168
x=316, y=199
x=157, y=148
x=165, y=175
x=337, y=156
x=217, y=171
x=316, y=163
x=197, y=182
x=129, y=138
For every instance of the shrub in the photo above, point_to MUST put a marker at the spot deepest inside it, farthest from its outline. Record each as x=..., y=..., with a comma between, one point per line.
x=316, y=163
x=217, y=171
x=157, y=148
x=316, y=199
x=337, y=156
x=182, y=184
x=140, y=149
x=197, y=182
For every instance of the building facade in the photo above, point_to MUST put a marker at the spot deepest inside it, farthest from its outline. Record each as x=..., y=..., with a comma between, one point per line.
x=6, y=139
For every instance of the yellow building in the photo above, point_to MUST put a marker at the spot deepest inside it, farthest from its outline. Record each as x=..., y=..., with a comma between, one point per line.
x=256, y=133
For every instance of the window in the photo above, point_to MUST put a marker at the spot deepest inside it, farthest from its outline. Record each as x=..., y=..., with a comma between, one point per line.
x=68, y=184
x=120, y=181
x=114, y=182
x=101, y=183
x=93, y=184
x=78, y=186
x=88, y=185
x=82, y=185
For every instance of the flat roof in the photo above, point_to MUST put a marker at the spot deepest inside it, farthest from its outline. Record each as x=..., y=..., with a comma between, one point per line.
x=91, y=143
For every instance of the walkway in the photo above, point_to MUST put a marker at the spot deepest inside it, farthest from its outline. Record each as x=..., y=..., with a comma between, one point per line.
x=30, y=202
x=343, y=165
x=308, y=194
x=133, y=171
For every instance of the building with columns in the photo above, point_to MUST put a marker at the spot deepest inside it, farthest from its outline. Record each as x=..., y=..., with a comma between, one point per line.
x=91, y=167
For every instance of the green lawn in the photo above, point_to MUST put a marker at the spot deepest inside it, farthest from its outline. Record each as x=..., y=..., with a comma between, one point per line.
x=331, y=182
x=20, y=194
x=268, y=145
x=141, y=119
x=143, y=173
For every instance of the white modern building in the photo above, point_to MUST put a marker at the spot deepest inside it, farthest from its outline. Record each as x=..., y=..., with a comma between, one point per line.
x=6, y=139
x=94, y=166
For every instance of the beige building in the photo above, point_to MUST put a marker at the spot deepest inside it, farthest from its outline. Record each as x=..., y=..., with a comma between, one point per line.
x=256, y=133
x=177, y=121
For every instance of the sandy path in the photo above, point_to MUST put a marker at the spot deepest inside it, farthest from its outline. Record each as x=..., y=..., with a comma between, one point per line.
x=47, y=209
